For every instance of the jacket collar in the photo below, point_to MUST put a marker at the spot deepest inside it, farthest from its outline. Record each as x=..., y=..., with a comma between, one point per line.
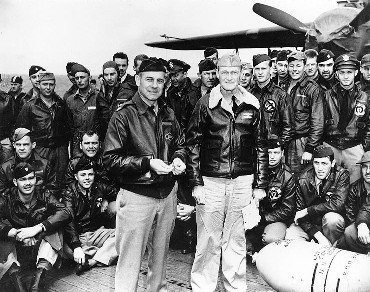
x=328, y=181
x=242, y=95
x=142, y=107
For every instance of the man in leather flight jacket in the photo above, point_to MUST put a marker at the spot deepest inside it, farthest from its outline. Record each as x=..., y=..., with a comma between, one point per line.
x=226, y=143
x=347, y=123
x=143, y=151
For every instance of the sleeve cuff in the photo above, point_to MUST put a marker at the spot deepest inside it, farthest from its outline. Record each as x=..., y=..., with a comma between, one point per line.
x=75, y=244
x=5, y=230
x=145, y=164
x=47, y=225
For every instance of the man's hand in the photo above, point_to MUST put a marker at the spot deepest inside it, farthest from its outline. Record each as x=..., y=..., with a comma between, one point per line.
x=300, y=214
x=321, y=239
x=198, y=194
x=306, y=158
x=178, y=166
x=104, y=206
x=363, y=233
x=258, y=195
x=12, y=233
x=28, y=232
x=159, y=166
x=30, y=241
x=79, y=255
x=184, y=211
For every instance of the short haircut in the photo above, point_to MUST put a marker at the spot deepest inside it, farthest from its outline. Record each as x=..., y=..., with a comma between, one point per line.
x=311, y=53
x=140, y=58
x=120, y=55
x=89, y=133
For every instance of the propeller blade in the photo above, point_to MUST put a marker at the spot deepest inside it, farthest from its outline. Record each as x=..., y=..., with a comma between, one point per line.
x=362, y=17
x=279, y=17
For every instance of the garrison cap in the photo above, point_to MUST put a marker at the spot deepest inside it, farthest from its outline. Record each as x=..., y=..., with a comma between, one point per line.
x=282, y=56
x=365, y=158
x=16, y=79
x=22, y=169
x=229, y=60
x=274, y=143
x=69, y=67
x=19, y=133
x=110, y=64
x=177, y=66
x=35, y=69
x=79, y=68
x=346, y=61
x=259, y=58
x=322, y=151
x=84, y=164
x=152, y=65
x=296, y=55
x=206, y=65
x=247, y=66
x=273, y=54
x=45, y=76
x=324, y=55
x=210, y=51
x=365, y=60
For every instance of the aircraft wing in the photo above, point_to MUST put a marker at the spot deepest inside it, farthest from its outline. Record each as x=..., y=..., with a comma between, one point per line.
x=267, y=37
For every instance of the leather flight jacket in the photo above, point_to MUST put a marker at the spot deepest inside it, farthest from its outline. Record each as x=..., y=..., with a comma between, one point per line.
x=135, y=135
x=357, y=130
x=224, y=144
x=306, y=99
x=276, y=110
x=7, y=115
x=86, y=209
x=331, y=198
x=280, y=203
x=358, y=204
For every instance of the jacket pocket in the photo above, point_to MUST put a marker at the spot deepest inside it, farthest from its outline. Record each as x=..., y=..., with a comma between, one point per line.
x=210, y=156
x=246, y=149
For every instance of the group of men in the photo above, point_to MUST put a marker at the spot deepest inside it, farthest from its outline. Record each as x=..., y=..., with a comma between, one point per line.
x=104, y=175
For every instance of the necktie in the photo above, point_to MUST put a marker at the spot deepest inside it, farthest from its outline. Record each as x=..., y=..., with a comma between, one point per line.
x=343, y=117
x=208, y=90
x=234, y=106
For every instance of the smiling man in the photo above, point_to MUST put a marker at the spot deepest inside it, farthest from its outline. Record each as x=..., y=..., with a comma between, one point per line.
x=322, y=192
x=347, y=124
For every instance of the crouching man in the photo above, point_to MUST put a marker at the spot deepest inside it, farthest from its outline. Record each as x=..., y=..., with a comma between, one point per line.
x=322, y=192
x=357, y=234
x=29, y=221
x=87, y=200
x=278, y=207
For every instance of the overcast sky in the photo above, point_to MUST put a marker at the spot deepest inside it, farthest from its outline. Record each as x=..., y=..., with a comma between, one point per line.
x=52, y=32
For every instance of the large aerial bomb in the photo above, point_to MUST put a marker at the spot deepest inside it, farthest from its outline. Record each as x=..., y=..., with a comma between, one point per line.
x=300, y=266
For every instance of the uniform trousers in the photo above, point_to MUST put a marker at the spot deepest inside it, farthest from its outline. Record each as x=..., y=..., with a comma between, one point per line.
x=143, y=222
x=349, y=241
x=348, y=159
x=220, y=234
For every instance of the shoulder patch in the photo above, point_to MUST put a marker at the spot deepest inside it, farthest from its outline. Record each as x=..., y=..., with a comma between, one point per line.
x=269, y=106
x=360, y=109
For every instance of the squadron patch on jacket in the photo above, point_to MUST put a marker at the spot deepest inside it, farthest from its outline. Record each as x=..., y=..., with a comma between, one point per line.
x=360, y=109
x=274, y=194
x=269, y=106
x=168, y=137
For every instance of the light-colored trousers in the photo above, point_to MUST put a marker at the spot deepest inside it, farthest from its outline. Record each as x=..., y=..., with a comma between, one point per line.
x=220, y=234
x=143, y=222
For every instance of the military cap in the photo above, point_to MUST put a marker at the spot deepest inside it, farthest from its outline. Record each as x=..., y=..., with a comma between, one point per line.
x=69, y=67
x=324, y=55
x=84, y=164
x=247, y=66
x=229, y=60
x=346, y=61
x=79, y=68
x=365, y=158
x=35, y=69
x=16, y=79
x=44, y=76
x=282, y=56
x=153, y=65
x=259, y=58
x=177, y=66
x=274, y=143
x=273, y=54
x=322, y=151
x=19, y=133
x=296, y=55
x=365, y=60
x=206, y=65
x=22, y=169
x=210, y=51
x=110, y=64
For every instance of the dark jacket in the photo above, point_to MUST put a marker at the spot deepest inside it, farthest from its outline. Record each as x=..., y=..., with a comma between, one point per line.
x=365, y=86
x=276, y=110
x=128, y=87
x=358, y=204
x=221, y=145
x=45, y=209
x=45, y=175
x=51, y=127
x=7, y=115
x=71, y=91
x=134, y=136
x=101, y=174
x=331, y=199
x=280, y=203
x=306, y=99
x=357, y=131
x=18, y=102
x=85, y=210
x=326, y=84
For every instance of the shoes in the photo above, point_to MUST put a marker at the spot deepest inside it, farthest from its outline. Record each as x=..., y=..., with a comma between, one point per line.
x=82, y=268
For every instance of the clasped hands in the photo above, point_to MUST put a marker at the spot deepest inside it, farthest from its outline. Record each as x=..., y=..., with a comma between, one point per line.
x=26, y=235
x=160, y=167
